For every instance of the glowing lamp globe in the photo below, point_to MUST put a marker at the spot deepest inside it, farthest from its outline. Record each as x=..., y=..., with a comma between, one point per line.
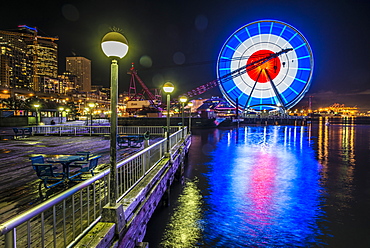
x=168, y=87
x=183, y=99
x=114, y=44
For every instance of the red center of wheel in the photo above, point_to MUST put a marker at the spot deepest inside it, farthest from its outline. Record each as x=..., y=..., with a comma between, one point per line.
x=271, y=67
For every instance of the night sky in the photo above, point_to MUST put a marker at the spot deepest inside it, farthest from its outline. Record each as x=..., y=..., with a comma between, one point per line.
x=179, y=41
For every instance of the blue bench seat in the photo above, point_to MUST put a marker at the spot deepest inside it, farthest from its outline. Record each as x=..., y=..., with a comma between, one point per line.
x=46, y=172
x=133, y=141
x=86, y=166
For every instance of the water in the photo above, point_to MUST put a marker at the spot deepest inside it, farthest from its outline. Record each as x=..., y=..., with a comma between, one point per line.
x=271, y=186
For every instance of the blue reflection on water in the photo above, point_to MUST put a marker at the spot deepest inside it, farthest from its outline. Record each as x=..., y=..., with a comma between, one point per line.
x=264, y=189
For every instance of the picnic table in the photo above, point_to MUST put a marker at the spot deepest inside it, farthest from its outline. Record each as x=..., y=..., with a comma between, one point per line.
x=22, y=131
x=65, y=161
x=51, y=176
x=130, y=140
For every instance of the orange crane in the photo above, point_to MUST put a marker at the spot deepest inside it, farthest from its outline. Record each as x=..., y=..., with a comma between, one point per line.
x=35, y=34
x=153, y=99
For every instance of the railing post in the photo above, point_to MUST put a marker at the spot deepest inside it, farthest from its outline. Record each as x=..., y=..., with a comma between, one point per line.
x=161, y=150
x=148, y=158
x=169, y=143
x=10, y=239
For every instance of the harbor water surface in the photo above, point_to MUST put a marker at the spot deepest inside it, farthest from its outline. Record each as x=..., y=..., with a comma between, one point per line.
x=271, y=186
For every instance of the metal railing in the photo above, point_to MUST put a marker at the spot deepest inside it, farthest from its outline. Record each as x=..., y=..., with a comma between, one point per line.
x=98, y=130
x=62, y=220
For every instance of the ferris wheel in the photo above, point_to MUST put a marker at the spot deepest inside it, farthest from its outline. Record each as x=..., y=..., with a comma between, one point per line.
x=265, y=65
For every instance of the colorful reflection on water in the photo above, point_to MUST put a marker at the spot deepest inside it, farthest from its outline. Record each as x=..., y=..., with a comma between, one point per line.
x=264, y=189
x=276, y=186
x=187, y=232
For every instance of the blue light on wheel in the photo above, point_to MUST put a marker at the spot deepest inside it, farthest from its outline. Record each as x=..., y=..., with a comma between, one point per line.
x=289, y=75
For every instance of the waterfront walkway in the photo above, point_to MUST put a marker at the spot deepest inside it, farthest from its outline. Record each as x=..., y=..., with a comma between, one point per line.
x=18, y=181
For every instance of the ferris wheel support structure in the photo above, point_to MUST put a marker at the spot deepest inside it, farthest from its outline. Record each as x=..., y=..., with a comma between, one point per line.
x=236, y=73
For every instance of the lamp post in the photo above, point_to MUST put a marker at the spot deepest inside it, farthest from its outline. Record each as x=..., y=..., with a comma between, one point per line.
x=67, y=113
x=190, y=104
x=168, y=88
x=86, y=111
x=183, y=100
x=61, y=114
x=91, y=105
x=36, y=105
x=114, y=46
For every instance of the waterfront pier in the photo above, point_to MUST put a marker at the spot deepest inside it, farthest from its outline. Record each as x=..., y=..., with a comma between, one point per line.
x=81, y=213
x=135, y=209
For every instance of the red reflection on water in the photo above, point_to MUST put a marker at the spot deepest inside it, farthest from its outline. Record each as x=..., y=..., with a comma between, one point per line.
x=262, y=188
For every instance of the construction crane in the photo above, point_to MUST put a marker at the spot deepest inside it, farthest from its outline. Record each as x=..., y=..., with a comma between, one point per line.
x=238, y=72
x=134, y=76
x=153, y=99
x=35, y=33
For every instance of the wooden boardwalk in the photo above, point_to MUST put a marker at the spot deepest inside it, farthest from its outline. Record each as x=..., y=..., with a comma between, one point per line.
x=18, y=182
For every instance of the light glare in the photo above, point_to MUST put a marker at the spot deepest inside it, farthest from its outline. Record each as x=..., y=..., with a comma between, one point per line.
x=114, y=49
x=183, y=99
x=168, y=87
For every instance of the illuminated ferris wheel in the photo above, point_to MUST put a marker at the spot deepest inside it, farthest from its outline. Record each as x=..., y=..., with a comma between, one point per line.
x=265, y=65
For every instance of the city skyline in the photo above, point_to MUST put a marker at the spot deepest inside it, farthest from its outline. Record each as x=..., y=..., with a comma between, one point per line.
x=180, y=42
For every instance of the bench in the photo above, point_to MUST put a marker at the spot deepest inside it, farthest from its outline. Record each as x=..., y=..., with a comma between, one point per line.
x=83, y=153
x=46, y=173
x=133, y=141
x=83, y=162
x=22, y=132
x=86, y=166
x=27, y=131
x=17, y=133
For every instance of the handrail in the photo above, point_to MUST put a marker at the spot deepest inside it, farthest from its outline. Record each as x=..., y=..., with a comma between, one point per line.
x=98, y=130
x=16, y=221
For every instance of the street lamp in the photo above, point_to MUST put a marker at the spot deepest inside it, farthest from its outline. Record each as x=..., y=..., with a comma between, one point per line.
x=36, y=105
x=91, y=105
x=61, y=114
x=67, y=114
x=168, y=88
x=190, y=104
x=86, y=111
x=183, y=100
x=114, y=46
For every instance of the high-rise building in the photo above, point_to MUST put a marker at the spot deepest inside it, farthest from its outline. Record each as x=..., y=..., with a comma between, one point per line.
x=46, y=60
x=26, y=57
x=68, y=82
x=81, y=68
x=16, y=65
